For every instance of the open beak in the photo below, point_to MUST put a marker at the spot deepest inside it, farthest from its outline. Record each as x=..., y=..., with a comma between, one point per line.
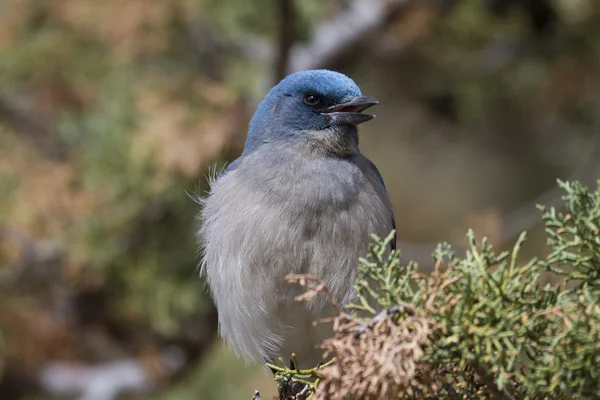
x=350, y=111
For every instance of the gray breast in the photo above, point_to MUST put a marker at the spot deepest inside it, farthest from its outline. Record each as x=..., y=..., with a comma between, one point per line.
x=261, y=223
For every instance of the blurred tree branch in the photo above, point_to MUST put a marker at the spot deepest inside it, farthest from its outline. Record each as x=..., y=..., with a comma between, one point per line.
x=195, y=37
x=361, y=20
x=34, y=131
x=107, y=381
x=524, y=217
x=339, y=35
x=36, y=258
x=286, y=36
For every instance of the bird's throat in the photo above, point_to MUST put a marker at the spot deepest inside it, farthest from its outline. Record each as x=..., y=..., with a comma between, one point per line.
x=341, y=141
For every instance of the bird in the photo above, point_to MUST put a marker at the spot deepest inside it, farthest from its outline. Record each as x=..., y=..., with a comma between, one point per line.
x=300, y=199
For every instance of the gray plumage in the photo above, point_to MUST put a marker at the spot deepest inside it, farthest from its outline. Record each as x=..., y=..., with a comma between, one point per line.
x=300, y=199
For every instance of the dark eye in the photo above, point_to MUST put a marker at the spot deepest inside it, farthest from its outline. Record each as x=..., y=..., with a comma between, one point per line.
x=312, y=99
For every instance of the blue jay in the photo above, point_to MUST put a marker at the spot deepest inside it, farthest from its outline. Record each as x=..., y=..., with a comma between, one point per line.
x=300, y=199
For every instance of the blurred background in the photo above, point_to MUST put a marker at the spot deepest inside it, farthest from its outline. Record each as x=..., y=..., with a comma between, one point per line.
x=110, y=110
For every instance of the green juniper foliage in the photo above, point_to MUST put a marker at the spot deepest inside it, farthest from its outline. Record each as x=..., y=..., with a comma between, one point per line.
x=492, y=329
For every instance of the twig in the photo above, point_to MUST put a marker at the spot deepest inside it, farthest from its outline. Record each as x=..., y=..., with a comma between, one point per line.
x=312, y=290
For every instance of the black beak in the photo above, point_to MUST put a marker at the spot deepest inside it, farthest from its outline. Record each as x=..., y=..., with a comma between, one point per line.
x=350, y=112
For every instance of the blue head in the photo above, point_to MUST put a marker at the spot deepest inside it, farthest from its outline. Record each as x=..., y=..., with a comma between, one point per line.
x=319, y=108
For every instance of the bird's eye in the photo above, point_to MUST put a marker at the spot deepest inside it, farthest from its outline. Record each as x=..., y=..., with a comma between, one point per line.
x=311, y=99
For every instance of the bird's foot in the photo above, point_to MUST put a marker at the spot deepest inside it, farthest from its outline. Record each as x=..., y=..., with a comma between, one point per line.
x=294, y=383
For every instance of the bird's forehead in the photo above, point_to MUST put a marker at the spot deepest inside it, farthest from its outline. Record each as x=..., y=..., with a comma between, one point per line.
x=324, y=82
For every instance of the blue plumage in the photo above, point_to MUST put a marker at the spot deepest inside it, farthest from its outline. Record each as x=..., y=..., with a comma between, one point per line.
x=280, y=115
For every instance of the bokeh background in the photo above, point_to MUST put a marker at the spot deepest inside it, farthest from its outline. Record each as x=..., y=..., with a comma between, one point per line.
x=111, y=110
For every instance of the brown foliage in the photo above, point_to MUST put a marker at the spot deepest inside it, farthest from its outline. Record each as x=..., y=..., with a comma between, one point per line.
x=385, y=357
x=375, y=361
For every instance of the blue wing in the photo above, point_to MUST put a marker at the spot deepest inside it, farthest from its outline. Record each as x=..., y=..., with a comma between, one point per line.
x=378, y=174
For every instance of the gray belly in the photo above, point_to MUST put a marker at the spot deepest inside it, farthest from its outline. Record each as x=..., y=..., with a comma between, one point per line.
x=331, y=243
x=254, y=235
